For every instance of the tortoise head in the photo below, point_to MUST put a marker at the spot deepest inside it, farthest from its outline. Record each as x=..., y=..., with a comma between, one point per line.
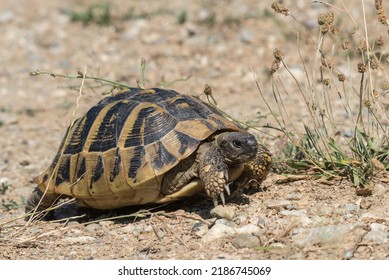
x=237, y=147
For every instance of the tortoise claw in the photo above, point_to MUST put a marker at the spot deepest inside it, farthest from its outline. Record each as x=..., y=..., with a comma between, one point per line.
x=214, y=199
x=222, y=198
x=227, y=188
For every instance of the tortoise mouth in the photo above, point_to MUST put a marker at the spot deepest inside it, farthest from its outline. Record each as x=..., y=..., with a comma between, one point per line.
x=240, y=159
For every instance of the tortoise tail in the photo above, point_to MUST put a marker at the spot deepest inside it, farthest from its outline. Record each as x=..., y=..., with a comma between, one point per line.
x=34, y=201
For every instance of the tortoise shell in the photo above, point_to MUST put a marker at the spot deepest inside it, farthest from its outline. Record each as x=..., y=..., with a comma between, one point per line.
x=116, y=154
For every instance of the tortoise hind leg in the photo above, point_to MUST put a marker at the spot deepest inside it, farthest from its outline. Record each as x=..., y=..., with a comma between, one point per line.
x=36, y=197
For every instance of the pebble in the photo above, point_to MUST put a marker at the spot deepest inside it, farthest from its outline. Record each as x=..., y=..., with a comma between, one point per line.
x=200, y=229
x=36, y=230
x=299, y=214
x=79, y=240
x=351, y=208
x=136, y=229
x=348, y=254
x=240, y=220
x=378, y=233
x=379, y=190
x=218, y=231
x=328, y=235
x=226, y=222
x=4, y=180
x=6, y=16
x=246, y=240
x=277, y=203
x=293, y=213
x=246, y=36
x=294, y=196
x=348, y=133
x=92, y=227
x=223, y=212
x=160, y=233
x=367, y=217
x=248, y=229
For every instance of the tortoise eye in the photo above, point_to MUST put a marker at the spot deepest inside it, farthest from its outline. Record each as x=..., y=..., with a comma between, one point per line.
x=237, y=144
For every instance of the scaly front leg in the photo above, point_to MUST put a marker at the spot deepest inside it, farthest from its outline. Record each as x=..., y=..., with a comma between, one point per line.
x=213, y=171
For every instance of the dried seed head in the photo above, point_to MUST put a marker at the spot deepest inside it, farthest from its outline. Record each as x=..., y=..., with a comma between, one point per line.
x=345, y=44
x=362, y=45
x=321, y=20
x=374, y=62
x=278, y=55
x=326, y=82
x=330, y=18
x=380, y=41
x=280, y=8
x=207, y=90
x=361, y=67
x=327, y=62
x=275, y=66
x=335, y=30
x=382, y=16
x=378, y=4
x=325, y=28
x=367, y=103
x=341, y=77
x=381, y=13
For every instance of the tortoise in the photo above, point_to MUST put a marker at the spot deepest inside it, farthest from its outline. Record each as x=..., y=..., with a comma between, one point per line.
x=145, y=146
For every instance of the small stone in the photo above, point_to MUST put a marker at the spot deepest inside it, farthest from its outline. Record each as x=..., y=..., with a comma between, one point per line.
x=223, y=212
x=348, y=254
x=299, y=214
x=92, y=227
x=351, y=208
x=226, y=222
x=328, y=235
x=246, y=36
x=378, y=233
x=272, y=204
x=79, y=240
x=200, y=229
x=278, y=245
x=294, y=196
x=135, y=229
x=246, y=240
x=348, y=133
x=240, y=220
x=36, y=230
x=4, y=180
x=379, y=190
x=261, y=221
x=293, y=212
x=365, y=203
x=219, y=231
x=6, y=16
x=160, y=234
x=249, y=229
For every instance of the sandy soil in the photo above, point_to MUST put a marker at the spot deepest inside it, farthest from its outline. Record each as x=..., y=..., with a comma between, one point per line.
x=221, y=43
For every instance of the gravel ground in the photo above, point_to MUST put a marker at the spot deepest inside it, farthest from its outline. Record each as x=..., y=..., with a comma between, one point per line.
x=221, y=43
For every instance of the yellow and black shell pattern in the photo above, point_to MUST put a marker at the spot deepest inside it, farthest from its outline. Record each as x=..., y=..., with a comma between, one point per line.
x=117, y=153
